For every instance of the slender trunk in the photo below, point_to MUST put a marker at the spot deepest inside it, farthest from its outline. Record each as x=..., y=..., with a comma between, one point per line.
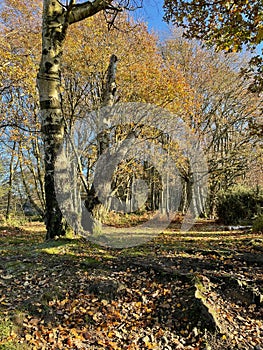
x=10, y=182
x=151, y=171
x=39, y=169
x=25, y=181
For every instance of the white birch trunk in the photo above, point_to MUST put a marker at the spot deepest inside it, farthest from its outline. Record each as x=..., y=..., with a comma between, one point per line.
x=56, y=20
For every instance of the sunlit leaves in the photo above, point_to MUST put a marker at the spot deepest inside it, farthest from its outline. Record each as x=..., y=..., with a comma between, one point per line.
x=224, y=23
x=141, y=73
x=227, y=25
x=223, y=112
x=139, y=298
x=20, y=43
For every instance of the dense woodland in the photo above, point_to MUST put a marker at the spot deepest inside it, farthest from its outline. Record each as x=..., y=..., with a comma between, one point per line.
x=195, y=84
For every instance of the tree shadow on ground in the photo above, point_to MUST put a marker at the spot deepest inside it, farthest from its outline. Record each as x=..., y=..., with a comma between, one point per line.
x=74, y=294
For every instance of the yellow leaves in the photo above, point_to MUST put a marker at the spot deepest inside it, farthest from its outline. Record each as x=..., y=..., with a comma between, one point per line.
x=138, y=304
x=96, y=317
x=28, y=337
x=111, y=334
x=141, y=73
x=113, y=345
x=148, y=343
x=20, y=44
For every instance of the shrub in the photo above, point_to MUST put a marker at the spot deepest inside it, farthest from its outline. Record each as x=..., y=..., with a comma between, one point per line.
x=239, y=205
x=258, y=224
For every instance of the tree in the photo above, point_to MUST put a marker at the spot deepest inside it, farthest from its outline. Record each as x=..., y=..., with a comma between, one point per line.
x=84, y=68
x=19, y=125
x=19, y=55
x=56, y=20
x=140, y=66
x=141, y=74
x=227, y=25
x=222, y=111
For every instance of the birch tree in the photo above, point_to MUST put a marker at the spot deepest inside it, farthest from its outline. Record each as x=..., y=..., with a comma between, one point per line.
x=56, y=20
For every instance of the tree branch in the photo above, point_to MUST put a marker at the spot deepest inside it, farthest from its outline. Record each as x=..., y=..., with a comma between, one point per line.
x=87, y=9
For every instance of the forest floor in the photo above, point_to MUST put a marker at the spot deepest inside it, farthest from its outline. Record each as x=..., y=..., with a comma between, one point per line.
x=183, y=290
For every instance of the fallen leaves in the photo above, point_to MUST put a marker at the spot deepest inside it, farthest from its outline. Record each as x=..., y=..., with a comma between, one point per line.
x=126, y=302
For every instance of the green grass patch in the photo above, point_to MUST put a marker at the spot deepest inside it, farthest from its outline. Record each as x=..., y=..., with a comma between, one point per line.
x=8, y=333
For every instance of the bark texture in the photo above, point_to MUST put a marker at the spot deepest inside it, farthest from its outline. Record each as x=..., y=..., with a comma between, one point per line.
x=92, y=201
x=49, y=82
x=56, y=20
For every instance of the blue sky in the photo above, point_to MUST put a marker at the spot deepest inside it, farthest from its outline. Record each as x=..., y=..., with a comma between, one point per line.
x=152, y=13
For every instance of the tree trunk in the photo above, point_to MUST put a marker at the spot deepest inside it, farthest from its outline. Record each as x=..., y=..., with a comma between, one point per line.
x=92, y=202
x=27, y=187
x=39, y=172
x=10, y=182
x=55, y=22
x=49, y=83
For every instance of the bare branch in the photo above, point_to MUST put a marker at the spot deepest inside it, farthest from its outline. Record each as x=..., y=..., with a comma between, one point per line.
x=87, y=9
x=14, y=125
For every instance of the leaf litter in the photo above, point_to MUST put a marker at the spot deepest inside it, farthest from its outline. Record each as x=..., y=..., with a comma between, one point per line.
x=196, y=290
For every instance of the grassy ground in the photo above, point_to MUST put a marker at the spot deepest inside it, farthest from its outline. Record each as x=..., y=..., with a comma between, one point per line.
x=182, y=290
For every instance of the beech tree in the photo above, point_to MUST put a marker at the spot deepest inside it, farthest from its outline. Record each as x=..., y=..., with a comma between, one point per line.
x=222, y=112
x=226, y=24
